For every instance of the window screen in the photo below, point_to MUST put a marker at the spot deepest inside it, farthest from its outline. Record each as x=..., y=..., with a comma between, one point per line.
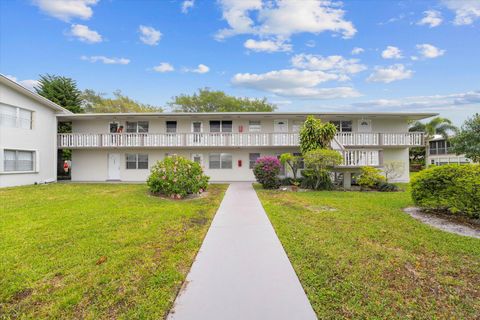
x=18, y=160
x=171, y=126
x=254, y=126
x=131, y=161
x=253, y=159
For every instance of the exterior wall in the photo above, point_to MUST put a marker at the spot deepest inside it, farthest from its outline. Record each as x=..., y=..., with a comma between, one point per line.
x=398, y=155
x=92, y=165
x=42, y=139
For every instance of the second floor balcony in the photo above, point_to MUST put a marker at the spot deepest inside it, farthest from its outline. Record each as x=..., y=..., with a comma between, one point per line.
x=229, y=139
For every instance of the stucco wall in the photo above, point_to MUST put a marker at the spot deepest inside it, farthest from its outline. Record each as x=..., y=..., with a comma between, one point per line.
x=41, y=138
x=400, y=156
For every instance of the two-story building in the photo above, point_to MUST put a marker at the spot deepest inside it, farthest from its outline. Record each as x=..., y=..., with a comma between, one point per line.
x=28, y=136
x=440, y=152
x=122, y=147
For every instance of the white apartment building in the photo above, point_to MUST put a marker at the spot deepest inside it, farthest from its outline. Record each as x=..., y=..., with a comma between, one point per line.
x=28, y=136
x=122, y=147
x=440, y=152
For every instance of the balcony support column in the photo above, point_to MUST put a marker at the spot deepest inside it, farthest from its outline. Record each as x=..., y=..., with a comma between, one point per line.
x=347, y=180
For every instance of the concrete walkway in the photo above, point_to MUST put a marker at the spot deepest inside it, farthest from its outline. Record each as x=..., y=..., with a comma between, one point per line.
x=241, y=271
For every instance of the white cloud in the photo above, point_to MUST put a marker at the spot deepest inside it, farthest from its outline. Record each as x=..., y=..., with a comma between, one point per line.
x=466, y=11
x=428, y=51
x=28, y=84
x=357, y=50
x=389, y=74
x=164, y=67
x=425, y=103
x=106, y=60
x=67, y=9
x=335, y=64
x=311, y=43
x=149, y=35
x=392, y=53
x=83, y=33
x=432, y=18
x=187, y=5
x=201, y=68
x=267, y=45
x=294, y=83
x=283, y=18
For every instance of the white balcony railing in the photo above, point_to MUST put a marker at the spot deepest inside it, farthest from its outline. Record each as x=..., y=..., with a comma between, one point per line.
x=229, y=139
x=361, y=157
x=380, y=139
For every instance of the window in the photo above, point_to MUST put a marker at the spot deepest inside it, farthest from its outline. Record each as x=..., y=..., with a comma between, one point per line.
x=140, y=126
x=171, y=126
x=14, y=117
x=254, y=126
x=343, y=126
x=136, y=161
x=220, y=161
x=18, y=160
x=252, y=157
x=221, y=126
x=198, y=158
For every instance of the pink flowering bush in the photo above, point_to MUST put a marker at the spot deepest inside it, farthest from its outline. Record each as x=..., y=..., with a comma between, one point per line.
x=177, y=177
x=266, y=172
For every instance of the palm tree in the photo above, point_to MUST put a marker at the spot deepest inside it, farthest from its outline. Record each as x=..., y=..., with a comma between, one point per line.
x=437, y=125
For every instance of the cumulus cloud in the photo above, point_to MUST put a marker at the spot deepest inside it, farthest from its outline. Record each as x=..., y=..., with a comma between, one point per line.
x=164, y=67
x=294, y=83
x=334, y=64
x=357, y=50
x=466, y=11
x=187, y=5
x=201, y=68
x=67, y=9
x=105, y=60
x=432, y=18
x=83, y=33
x=392, y=53
x=267, y=45
x=28, y=84
x=283, y=18
x=149, y=35
x=429, y=51
x=389, y=74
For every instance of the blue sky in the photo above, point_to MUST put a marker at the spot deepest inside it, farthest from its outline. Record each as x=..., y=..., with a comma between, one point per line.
x=304, y=55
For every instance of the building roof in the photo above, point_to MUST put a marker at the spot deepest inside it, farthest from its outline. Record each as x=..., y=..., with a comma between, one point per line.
x=335, y=115
x=21, y=89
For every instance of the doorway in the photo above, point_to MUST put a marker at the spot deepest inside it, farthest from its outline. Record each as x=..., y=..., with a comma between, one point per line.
x=113, y=166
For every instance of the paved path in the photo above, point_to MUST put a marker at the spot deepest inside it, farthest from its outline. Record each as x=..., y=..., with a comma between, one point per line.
x=241, y=271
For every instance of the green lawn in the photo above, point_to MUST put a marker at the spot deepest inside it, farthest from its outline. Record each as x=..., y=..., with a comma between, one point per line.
x=359, y=256
x=96, y=251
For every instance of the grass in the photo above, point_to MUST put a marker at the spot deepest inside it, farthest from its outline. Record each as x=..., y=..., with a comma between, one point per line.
x=358, y=256
x=96, y=251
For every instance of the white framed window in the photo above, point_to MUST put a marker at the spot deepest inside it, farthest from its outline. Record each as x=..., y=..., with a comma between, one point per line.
x=137, y=126
x=15, y=117
x=136, y=161
x=254, y=126
x=220, y=161
x=198, y=158
x=171, y=126
x=221, y=126
x=252, y=159
x=343, y=126
x=18, y=160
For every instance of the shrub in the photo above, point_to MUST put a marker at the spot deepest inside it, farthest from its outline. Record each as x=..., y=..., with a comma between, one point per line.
x=177, y=177
x=386, y=187
x=266, y=172
x=319, y=165
x=451, y=188
x=369, y=177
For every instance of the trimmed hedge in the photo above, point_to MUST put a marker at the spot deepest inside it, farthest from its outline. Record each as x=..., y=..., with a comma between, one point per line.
x=452, y=188
x=177, y=177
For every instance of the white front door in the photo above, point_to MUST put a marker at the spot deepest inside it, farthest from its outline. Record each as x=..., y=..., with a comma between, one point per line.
x=364, y=125
x=114, y=166
x=280, y=126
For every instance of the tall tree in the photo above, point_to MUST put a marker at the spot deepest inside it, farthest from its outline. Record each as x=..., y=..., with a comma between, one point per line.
x=315, y=134
x=217, y=101
x=97, y=103
x=61, y=90
x=467, y=141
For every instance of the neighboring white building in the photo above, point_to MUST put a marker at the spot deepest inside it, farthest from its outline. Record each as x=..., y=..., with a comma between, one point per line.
x=124, y=146
x=28, y=136
x=440, y=152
